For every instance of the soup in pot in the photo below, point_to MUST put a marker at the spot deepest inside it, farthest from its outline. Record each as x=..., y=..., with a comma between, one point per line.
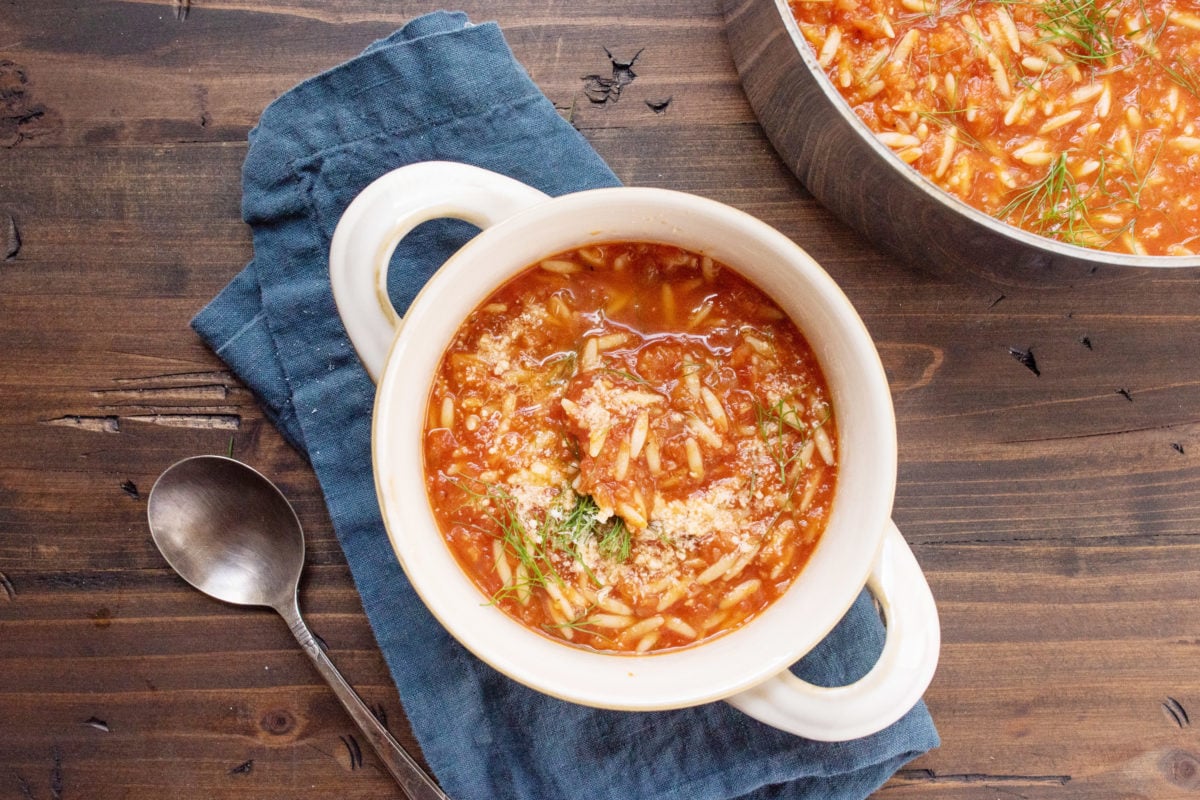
x=1075, y=119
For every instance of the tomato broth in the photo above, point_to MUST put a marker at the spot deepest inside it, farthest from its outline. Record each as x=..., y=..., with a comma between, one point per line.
x=631, y=448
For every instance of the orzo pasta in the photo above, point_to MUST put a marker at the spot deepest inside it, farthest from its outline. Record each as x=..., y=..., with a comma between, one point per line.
x=631, y=448
x=1075, y=119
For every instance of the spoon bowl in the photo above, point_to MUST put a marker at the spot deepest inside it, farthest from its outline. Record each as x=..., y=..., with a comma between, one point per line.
x=229, y=532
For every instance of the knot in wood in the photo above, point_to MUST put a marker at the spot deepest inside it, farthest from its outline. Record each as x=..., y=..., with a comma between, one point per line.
x=278, y=722
x=1181, y=768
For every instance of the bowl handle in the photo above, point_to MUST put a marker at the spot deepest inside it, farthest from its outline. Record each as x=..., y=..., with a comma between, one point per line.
x=382, y=214
x=894, y=684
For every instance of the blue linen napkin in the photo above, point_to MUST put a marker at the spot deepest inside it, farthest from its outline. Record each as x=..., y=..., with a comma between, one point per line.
x=443, y=88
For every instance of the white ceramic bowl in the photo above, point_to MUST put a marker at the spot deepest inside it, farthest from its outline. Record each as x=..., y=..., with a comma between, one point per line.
x=748, y=667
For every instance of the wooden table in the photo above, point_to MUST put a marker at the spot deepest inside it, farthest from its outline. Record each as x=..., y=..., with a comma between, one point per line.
x=1054, y=508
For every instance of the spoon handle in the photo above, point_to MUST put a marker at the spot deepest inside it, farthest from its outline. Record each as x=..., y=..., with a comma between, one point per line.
x=413, y=780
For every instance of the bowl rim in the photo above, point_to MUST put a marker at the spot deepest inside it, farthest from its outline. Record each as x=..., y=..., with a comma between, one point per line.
x=725, y=664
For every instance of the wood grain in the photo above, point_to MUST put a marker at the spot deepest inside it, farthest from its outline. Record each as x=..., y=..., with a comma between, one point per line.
x=1055, y=512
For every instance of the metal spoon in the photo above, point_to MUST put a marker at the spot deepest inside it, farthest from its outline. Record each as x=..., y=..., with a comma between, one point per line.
x=231, y=533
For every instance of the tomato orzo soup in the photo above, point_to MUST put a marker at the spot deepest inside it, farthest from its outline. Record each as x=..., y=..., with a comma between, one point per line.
x=1074, y=119
x=631, y=448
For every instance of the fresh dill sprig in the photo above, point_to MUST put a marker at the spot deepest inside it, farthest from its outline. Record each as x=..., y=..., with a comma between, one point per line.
x=1082, y=23
x=581, y=524
x=616, y=542
x=1056, y=205
x=500, y=507
x=579, y=623
x=1052, y=205
x=1131, y=189
x=627, y=375
x=1185, y=75
x=568, y=535
x=773, y=422
x=563, y=533
x=1126, y=189
x=947, y=120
